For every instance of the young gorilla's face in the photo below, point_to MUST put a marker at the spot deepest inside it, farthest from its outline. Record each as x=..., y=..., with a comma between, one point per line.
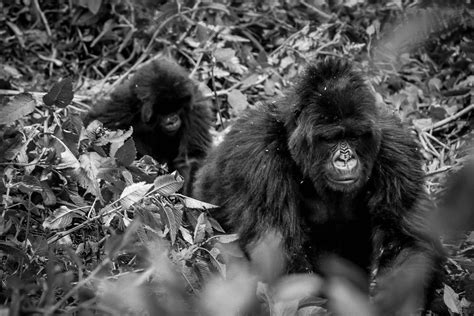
x=164, y=114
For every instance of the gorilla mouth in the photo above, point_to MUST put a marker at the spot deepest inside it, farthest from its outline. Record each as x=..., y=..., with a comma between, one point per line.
x=343, y=180
x=172, y=127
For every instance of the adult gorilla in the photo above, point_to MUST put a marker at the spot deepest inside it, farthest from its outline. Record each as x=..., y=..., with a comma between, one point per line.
x=331, y=175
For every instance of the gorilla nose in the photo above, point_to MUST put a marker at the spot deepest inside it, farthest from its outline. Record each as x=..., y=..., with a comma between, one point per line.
x=345, y=162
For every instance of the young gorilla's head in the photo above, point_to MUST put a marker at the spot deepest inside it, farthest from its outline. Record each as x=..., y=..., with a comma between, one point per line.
x=334, y=137
x=166, y=94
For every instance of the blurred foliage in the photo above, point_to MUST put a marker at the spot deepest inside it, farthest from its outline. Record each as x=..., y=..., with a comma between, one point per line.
x=86, y=226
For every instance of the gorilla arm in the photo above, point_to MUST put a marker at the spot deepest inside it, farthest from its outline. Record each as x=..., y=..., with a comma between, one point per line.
x=412, y=254
x=255, y=177
x=195, y=141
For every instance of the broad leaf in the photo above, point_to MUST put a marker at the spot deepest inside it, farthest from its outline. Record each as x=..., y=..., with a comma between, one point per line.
x=134, y=193
x=21, y=105
x=60, y=94
x=127, y=153
x=200, y=230
x=196, y=204
x=238, y=101
x=61, y=218
x=168, y=184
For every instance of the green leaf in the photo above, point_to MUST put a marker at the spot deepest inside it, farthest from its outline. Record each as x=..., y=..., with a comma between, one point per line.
x=451, y=299
x=168, y=184
x=196, y=204
x=186, y=235
x=21, y=105
x=60, y=94
x=238, y=101
x=94, y=6
x=134, y=193
x=174, y=217
x=200, y=230
x=127, y=153
x=61, y=218
x=225, y=239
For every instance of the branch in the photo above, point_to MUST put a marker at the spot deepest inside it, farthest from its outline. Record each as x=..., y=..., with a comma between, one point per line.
x=448, y=120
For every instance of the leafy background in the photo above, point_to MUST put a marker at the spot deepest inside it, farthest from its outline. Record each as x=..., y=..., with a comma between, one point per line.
x=87, y=228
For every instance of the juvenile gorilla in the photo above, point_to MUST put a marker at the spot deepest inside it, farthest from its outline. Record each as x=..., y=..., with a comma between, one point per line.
x=331, y=175
x=169, y=116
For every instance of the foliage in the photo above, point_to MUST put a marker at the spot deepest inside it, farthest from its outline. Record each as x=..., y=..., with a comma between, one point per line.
x=86, y=226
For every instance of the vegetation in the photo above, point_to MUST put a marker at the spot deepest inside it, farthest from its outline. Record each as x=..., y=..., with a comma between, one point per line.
x=88, y=228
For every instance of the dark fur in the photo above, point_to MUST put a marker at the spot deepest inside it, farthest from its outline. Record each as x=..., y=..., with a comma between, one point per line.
x=165, y=88
x=269, y=175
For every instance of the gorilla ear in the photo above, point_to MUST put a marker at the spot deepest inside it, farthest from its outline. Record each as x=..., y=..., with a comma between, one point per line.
x=147, y=112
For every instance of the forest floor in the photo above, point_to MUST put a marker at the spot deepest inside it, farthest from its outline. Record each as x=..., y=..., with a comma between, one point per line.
x=72, y=244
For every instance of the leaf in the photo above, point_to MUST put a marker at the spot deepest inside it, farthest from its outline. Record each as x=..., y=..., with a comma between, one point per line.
x=127, y=153
x=61, y=218
x=186, y=235
x=215, y=224
x=238, y=101
x=196, y=204
x=49, y=198
x=370, y=30
x=218, y=6
x=250, y=81
x=269, y=87
x=30, y=184
x=174, y=217
x=224, y=55
x=214, y=253
x=225, y=239
x=435, y=84
x=21, y=105
x=451, y=299
x=60, y=94
x=438, y=113
x=168, y=184
x=423, y=123
x=134, y=193
x=285, y=62
x=68, y=160
x=94, y=6
x=200, y=230
x=202, y=33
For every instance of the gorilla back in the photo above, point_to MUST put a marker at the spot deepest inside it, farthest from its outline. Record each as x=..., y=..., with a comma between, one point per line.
x=331, y=175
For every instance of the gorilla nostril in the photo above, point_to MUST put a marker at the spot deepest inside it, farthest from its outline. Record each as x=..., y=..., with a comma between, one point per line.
x=345, y=163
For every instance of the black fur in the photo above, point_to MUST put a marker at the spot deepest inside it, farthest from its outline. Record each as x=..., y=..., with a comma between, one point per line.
x=270, y=174
x=159, y=88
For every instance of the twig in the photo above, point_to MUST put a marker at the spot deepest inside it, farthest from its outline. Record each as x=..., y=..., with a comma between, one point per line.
x=60, y=235
x=448, y=120
x=43, y=17
x=149, y=47
x=216, y=99
x=321, y=14
x=235, y=86
x=77, y=98
x=197, y=63
x=288, y=40
x=430, y=145
x=439, y=170
x=117, y=67
x=428, y=135
x=425, y=145
x=78, y=285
